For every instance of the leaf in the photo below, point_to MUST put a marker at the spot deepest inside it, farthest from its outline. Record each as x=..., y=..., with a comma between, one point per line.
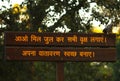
x=4, y=6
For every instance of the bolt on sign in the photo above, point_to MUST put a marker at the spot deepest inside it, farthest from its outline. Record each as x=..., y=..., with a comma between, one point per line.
x=59, y=46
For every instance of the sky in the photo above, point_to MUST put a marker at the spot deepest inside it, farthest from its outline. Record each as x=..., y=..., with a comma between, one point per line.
x=7, y=4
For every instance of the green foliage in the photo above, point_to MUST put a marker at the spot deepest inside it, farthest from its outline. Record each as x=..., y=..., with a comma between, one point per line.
x=116, y=66
x=15, y=71
x=45, y=71
x=79, y=71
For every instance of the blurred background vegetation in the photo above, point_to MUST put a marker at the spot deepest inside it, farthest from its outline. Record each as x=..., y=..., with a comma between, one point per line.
x=65, y=16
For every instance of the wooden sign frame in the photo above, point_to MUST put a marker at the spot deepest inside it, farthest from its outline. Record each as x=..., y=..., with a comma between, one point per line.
x=59, y=39
x=59, y=47
x=60, y=54
x=68, y=46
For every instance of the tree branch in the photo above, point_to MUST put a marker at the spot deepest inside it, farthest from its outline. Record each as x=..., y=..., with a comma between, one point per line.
x=75, y=8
